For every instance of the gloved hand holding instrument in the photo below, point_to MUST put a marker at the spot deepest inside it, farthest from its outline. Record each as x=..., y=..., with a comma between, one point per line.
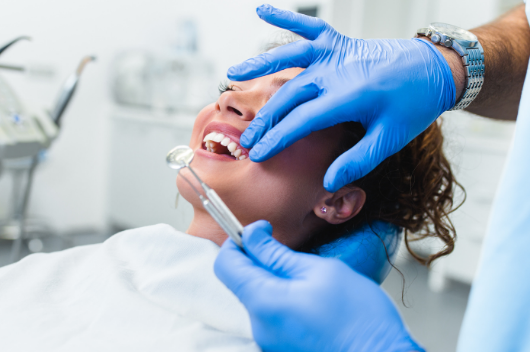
x=296, y=301
x=394, y=87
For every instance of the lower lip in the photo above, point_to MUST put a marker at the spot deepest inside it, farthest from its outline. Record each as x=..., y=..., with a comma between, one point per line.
x=221, y=157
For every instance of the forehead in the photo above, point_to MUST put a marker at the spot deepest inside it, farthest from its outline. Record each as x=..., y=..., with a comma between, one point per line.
x=271, y=82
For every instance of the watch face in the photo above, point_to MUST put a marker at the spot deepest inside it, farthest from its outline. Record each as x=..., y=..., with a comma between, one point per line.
x=453, y=31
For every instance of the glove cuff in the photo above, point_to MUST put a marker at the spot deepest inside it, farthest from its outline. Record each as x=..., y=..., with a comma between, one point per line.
x=448, y=93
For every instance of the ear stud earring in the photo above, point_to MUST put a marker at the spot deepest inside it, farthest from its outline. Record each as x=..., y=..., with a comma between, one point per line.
x=323, y=210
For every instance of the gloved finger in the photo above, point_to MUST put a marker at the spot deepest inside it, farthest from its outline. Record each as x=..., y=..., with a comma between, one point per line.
x=311, y=116
x=288, y=97
x=296, y=54
x=305, y=26
x=237, y=271
x=271, y=254
x=359, y=160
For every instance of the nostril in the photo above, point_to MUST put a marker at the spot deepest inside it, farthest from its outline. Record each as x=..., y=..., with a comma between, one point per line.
x=239, y=113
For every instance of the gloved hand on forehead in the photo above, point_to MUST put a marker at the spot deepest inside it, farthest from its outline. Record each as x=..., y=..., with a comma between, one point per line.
x=303, y=302
x=394, y=87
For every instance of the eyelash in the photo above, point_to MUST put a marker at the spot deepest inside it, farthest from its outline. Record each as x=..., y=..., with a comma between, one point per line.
x=224, y=87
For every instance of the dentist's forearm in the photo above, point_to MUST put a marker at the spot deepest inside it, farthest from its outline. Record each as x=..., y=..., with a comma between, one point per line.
x=506, y=43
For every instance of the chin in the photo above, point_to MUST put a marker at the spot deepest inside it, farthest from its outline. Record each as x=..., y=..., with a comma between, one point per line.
x=185, y=189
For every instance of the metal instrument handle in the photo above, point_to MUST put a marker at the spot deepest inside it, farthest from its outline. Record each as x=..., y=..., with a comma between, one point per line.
x=216, y=215
x=223, y=209
x=224, y=217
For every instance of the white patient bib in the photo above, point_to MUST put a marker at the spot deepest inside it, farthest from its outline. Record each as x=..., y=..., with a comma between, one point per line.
x=147, y=289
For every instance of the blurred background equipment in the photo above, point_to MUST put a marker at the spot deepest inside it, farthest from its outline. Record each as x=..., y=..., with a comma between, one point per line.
x=20, y=135
x=159, y=63
x=23, y=137
x=173, y=81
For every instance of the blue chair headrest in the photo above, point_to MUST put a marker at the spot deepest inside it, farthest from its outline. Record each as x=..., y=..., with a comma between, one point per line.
x=363, y=249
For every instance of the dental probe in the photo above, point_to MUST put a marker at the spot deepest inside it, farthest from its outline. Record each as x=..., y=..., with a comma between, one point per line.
x=181, y=157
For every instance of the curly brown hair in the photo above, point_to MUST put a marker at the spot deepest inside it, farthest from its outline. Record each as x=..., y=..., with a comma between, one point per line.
x=413, y=189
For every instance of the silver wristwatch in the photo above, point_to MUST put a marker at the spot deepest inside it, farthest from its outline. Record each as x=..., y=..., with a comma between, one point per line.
x=467, y=45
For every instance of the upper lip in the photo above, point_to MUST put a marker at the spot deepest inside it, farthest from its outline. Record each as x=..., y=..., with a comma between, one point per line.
x=228, y=130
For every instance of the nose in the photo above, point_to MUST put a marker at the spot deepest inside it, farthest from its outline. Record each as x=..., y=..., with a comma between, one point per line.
x=236, y=104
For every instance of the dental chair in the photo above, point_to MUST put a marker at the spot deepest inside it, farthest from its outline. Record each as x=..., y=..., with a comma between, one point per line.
x=371, y=250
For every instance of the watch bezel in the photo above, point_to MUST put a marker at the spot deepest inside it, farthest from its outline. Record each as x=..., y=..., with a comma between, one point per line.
x=434, y=28
x=472, y=55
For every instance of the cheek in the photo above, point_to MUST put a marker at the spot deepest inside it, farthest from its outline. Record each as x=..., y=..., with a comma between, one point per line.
x=279, y=194
x=282, y=190
x=185, y=189
x=262, y=192
x=202, y=119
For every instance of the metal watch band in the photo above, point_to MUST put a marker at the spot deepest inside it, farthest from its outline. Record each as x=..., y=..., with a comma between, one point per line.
x=473, y=61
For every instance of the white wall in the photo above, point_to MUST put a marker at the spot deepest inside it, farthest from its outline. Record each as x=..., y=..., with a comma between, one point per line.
x=401, y=18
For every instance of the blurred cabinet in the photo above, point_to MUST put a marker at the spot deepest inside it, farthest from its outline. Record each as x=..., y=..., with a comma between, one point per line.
x=142, y=188
x=477, y=149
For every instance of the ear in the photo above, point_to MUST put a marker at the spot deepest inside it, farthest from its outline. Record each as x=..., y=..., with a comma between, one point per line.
x=340, y=206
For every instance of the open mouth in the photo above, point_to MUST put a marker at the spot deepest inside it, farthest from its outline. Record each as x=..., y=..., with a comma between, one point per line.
x=218, y=143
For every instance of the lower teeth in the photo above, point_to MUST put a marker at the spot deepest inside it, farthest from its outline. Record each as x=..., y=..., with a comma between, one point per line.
x=209, y=146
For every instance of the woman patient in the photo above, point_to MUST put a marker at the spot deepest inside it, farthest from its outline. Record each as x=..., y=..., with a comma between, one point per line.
x=412, y=189
x=153, y=288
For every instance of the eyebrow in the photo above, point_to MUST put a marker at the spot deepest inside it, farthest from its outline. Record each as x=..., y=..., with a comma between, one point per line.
x=278, y=82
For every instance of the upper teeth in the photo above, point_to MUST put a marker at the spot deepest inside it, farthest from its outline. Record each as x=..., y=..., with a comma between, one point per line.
x=213, y=138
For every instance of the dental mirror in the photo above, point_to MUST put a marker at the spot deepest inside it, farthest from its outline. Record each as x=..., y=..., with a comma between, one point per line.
x=179, y=157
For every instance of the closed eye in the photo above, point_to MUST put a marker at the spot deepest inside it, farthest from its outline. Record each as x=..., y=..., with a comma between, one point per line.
x=224, y=87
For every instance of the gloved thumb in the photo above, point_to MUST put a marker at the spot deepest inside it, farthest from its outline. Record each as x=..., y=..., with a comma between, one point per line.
x=271, y=254
x=238, y=272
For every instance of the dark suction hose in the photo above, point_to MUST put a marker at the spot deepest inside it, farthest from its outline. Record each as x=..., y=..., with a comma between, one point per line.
x=5, y=47
x=68, y=91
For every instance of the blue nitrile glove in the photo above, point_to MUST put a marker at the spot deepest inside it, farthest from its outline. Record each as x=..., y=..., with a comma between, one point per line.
x=302, y=302
x=369, y=250
x=394, y=87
